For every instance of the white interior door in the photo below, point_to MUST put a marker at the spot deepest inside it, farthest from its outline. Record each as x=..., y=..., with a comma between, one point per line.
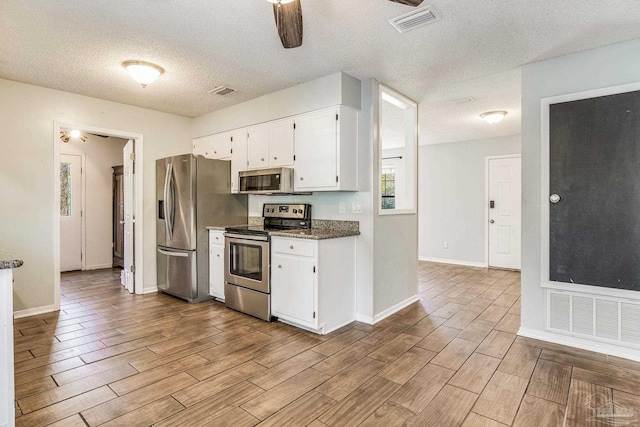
x=504, y=212
x=128, y=273
x=70, y=212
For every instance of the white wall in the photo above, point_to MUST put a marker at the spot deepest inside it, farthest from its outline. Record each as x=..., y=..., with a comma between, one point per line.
x=101, y=154
x=27, y=170
x=329, y=91
x=598, y=68
x=395, y=249
x=451, y=197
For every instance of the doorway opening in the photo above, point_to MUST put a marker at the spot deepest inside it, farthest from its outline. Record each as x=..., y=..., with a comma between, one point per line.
x=86, y=223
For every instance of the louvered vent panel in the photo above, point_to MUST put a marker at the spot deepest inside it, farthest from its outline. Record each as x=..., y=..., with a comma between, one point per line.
x=630, y=323
x=582, y=315
x=607, y=319
x=414, y=19
x=560, y=313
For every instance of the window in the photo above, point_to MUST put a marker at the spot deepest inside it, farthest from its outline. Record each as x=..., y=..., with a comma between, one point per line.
x=388, y=188
x=65, y=189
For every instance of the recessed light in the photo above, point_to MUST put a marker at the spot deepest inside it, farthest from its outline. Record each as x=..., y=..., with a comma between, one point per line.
x=493, y=116
x=143, y=72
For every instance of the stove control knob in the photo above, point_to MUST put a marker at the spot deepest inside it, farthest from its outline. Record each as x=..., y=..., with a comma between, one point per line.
x=300, y=211
x=295, y=211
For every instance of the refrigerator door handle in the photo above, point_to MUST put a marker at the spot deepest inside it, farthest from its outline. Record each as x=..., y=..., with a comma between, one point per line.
x=178, y=254
x=168, y=214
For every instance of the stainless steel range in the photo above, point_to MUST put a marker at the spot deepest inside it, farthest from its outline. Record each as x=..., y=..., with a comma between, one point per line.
x=247, y=269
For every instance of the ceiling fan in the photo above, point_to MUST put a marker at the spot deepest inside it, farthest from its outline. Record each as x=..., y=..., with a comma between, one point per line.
x=288, y=15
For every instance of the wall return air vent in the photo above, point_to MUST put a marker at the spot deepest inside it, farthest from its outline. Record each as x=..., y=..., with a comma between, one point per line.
x=414, y=19
x=221, y=90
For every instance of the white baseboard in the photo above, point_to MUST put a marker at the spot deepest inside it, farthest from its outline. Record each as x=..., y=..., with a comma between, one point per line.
x=454, y=261
x=34, y=311
x=581, y=343
x=98, y=266
x=386, y=313
x=149, y=290
x=364, y=319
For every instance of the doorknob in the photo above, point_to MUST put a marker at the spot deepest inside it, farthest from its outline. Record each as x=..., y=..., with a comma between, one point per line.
x=554, y=198
x=121, y=222
x=492, y=221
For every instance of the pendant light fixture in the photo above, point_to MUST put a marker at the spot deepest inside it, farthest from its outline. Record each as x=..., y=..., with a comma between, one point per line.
x=143, y=72
x=493, y=116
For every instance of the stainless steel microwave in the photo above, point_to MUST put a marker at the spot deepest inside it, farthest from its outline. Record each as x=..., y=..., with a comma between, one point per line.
x=266, y=181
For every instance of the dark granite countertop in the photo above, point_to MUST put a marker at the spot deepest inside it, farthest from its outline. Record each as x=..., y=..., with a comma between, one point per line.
x=315, y=233
x=320, y=229
x=8, y=260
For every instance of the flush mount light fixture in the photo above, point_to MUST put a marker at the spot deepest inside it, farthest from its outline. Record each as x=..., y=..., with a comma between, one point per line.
x=67, y=135
x=493, y=116
x=143, y=72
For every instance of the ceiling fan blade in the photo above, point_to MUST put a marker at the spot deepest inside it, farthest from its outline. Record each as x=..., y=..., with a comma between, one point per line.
x=408, y=2
x=289, y=22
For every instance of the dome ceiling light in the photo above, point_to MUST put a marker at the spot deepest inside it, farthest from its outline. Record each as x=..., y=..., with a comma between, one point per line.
x=493, y=117
x=143, y=72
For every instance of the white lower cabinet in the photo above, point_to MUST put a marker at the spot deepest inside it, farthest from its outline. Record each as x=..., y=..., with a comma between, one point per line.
x=313, y=282
x=216, y=264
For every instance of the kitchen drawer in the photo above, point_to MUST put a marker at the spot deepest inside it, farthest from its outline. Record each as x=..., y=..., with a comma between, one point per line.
x=216, y=237
x=299, y=247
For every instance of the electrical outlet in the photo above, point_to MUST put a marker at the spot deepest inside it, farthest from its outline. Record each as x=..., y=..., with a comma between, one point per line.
x=445, y=245
x=356, y=207
x=343, y=207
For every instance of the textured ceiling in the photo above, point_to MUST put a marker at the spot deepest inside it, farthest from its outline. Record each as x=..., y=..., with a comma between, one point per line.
x=78, y=46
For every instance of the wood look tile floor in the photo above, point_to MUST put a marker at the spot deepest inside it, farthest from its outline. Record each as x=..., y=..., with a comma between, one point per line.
x=453, y=358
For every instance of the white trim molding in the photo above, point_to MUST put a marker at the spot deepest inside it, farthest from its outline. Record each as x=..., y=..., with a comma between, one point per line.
x=138, y=208
x=584, y=344
x=388, y=312
x=34, y=311
x=98, y=266
x=455, y=261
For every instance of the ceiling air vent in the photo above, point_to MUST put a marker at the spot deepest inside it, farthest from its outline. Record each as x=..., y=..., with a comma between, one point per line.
x=414, y=19
x=221, y=90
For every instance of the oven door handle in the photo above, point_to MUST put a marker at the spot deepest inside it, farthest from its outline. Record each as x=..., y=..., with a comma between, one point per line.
x=247, y=237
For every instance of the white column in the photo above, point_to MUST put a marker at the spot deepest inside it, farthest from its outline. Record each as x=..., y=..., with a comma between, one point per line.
x=7, y=408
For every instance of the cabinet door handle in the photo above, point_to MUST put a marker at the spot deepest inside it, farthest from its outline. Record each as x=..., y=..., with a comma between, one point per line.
x=301, y=178
x=218, y=255
x=279, y=266
x=275, y=158
x=262, y=159
x=215, y=152
x=291, y=247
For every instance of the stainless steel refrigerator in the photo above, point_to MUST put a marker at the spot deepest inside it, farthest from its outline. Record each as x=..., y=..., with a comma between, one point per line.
x=192, y=193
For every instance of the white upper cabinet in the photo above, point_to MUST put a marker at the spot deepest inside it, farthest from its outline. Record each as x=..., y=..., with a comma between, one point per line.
x=202, y=146
x=326, y=150
x=258, y=146
x=221, y=145
x=321, y=146
x=281, y=143
x=216, y=146
x=238, y=156
x=270, y=144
